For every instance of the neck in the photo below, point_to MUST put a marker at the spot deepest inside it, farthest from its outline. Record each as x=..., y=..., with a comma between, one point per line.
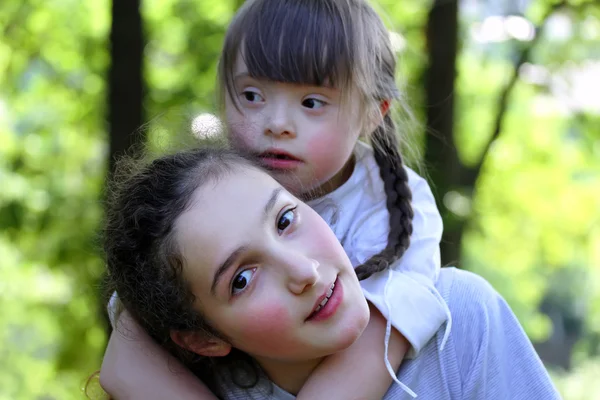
x=290, y=376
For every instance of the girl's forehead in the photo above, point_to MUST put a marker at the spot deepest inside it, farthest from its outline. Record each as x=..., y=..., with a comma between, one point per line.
x=215, y=202
x=222, y=214
x=246, y=185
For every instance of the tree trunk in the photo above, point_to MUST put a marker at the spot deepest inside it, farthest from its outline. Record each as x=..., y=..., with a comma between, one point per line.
x=440, y=153
x=448, y=173
x=126, y=81
x=125, y=90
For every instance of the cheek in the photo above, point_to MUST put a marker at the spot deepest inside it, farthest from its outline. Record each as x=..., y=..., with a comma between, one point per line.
x=265, y=330
x=323, y=243
x=243, y=132
x=329, y=153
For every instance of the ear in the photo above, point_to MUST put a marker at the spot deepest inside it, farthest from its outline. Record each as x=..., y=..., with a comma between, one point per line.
x=200, y=344
x=376, y=117
x=384, y=107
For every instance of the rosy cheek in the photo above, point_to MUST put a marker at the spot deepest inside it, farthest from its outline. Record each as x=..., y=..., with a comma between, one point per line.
x=325, y=155
x=316, y=146
x=267, y=329
x=323, y=144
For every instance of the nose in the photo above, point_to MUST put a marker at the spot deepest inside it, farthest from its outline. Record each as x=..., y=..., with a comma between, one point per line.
x=279, y=121
x=300, y=272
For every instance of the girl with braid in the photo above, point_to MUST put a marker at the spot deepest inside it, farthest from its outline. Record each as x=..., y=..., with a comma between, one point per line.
x=252, y=291
x=307, y=88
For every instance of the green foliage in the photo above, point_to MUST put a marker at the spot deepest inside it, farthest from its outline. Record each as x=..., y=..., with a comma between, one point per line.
x=535, y=217
x=581, y=383
x=53, y=150
x=52, y=161
x=184, y=42
x=533, y=230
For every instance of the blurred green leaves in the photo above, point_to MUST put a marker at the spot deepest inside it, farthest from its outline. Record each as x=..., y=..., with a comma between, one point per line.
x=533, y=223
x=52, y=152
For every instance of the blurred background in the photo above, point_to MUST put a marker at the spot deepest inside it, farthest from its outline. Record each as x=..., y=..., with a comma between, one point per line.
x=506, y=95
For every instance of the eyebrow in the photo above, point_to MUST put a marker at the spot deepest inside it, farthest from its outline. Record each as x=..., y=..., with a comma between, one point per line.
x=224, y=267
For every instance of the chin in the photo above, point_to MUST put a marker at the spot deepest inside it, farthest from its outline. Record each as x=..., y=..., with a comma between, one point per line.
x=356, y=325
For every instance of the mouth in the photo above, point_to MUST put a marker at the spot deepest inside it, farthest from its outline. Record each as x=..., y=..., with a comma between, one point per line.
x=327, y=304
x=279, y=159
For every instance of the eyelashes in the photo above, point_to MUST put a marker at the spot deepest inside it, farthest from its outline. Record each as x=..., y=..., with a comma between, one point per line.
x=286, y=219
x=313, y=103
x=252, y=96
x=242, y=280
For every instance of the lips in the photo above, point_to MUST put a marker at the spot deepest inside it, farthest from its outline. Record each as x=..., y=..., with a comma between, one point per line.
x=323, y=299
x=279, y=160
x=327, y=303
x=278, y=154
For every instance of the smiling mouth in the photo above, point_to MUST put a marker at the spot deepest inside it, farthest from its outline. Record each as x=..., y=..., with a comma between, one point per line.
x=324, y=301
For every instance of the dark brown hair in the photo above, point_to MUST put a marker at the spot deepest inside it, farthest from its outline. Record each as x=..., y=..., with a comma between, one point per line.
x=143, y=259
x=342, y=43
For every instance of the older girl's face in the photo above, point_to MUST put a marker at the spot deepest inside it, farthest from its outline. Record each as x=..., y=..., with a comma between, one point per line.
x=268, y=272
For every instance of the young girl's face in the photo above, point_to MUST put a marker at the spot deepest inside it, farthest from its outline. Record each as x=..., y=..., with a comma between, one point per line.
x=304, y=134
x=260, y=263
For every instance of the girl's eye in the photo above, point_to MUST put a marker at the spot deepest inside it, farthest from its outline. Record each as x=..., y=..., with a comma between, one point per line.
x=241, y=281
x=252, y=96
x=286, y=219
x=313, y=103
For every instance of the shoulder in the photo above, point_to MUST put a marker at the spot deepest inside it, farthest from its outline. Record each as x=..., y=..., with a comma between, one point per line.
x=475, y=306
x=479, y=315
x=462, y=284
x=494, y=355
x=466, y=293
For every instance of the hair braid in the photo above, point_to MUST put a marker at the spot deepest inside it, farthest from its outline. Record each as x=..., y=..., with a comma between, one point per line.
x=399, y=197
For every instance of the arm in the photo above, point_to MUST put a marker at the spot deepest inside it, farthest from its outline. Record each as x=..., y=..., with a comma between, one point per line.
x=135, y=367
x=359, y=372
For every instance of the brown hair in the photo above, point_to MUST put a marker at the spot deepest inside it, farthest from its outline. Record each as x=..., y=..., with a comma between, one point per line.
x=341, y=43
x=143, y=259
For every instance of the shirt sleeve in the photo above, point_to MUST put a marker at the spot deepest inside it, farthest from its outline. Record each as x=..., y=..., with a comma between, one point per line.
x=495, y=357
x=416, y=308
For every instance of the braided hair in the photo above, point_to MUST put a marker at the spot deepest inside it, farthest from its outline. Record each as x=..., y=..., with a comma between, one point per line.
x=399, y=197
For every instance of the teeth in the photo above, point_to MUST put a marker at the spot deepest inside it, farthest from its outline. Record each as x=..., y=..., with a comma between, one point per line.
x=326, y=299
